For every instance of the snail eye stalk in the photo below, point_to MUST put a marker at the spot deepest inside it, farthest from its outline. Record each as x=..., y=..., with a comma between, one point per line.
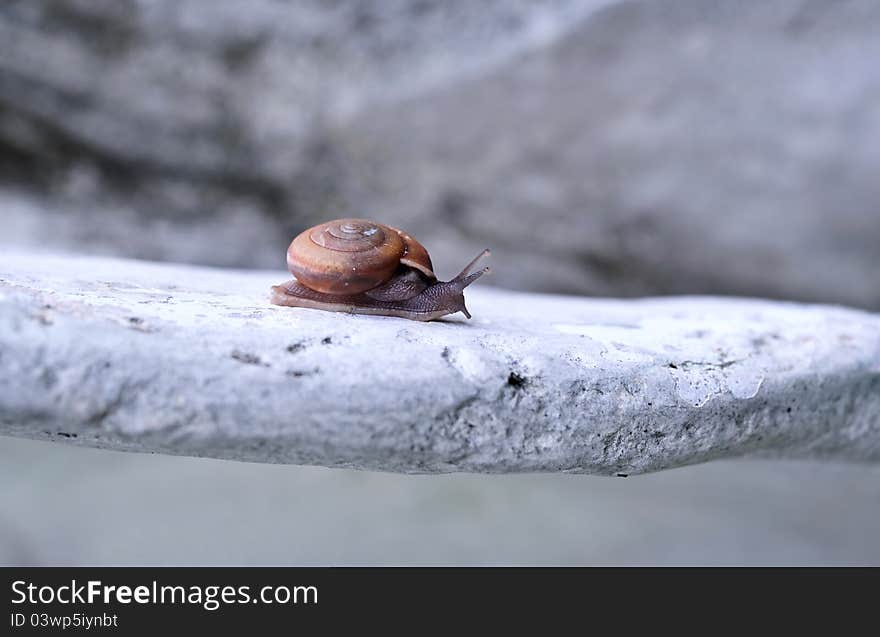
x=470, y=266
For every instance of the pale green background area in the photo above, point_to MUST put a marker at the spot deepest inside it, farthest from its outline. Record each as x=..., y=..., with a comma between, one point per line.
x=66, y=505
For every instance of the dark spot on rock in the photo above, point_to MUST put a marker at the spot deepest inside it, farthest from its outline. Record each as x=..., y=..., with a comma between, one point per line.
x=64, y=434
x=658, y=434
x=299, y=373
x=622, y=475
x=788, y=411
x=248, y=359
x=43, y=318
x=326, y=340
x=295, y=347
x=517, y=381
x=445, y=353
x=673, y=365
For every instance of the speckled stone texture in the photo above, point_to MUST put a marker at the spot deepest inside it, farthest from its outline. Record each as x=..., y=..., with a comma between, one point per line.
x=195, y=361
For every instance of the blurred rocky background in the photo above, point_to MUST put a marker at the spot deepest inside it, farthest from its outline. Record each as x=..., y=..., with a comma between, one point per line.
x=600, y=147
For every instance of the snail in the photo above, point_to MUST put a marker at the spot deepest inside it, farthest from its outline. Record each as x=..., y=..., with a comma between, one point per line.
x=363, y=267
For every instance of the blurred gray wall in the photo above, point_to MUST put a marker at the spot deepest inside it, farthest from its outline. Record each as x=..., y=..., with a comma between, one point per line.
x=599, y=146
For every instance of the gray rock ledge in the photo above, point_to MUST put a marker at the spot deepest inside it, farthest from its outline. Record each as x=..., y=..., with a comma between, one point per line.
x=194, y=361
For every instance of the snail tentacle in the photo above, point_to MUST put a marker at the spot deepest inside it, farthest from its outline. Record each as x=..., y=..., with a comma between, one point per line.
x=470, y=266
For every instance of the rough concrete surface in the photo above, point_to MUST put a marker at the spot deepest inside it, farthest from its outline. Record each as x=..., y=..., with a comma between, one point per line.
x=194, y=361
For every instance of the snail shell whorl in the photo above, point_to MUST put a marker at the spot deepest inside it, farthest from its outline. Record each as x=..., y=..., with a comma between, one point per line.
x=350, y=256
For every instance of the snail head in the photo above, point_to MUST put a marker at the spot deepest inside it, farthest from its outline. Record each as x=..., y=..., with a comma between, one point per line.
x=449, y=295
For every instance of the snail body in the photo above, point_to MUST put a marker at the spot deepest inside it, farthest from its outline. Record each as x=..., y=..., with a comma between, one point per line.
x=363, y=267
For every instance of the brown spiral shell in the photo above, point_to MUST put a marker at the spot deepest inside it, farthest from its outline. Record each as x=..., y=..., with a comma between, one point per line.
x=350, y=256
